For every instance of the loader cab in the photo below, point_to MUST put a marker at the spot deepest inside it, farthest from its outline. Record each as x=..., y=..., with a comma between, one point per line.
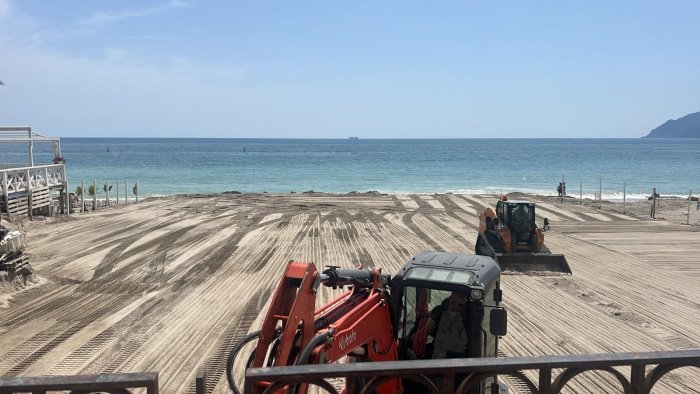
x=511, y=212
x=519, y=218
x=446, y=305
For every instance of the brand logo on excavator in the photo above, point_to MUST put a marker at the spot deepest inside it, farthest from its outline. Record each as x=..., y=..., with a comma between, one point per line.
x=346, y=340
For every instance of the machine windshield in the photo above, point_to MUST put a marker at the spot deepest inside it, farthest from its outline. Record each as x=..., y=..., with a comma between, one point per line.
x=440, y=274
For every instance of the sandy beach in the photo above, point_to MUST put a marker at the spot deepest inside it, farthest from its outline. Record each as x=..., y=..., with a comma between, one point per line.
x=169, y=284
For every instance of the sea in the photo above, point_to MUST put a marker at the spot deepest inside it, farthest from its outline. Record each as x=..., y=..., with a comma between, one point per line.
x=614, y=168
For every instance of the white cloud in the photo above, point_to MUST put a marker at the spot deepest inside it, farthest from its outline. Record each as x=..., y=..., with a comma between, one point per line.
x=100, y=19
x=18, y=29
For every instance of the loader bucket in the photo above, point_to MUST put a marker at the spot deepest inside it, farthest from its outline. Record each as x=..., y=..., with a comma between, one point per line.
x=534, y=264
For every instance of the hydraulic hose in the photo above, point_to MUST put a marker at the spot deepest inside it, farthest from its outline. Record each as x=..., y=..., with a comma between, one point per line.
x=232, y=357
x=303, y=357
x=313, y=343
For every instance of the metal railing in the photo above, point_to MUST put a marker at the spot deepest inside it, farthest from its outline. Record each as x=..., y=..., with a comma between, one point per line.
x=461, y=375
x=453, y=375
x=112, y=383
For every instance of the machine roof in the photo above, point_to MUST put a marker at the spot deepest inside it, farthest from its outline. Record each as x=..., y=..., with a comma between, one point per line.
x=485, y=269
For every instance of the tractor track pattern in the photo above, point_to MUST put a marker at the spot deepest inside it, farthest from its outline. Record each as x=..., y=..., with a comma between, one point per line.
x=170, y=285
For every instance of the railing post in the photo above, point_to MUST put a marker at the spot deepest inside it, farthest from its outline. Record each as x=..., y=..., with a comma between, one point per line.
x=29, y=193
x=5, y=191
x=637, y=379
x=448, y=383
x=201, y=381
x=31, y=147
x=154, y=388
x=545, y=381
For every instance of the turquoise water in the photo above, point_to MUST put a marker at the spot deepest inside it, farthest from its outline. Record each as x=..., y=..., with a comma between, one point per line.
x=174, y=166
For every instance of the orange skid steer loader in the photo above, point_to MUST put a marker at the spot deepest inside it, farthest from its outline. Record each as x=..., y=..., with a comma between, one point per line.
x=512, y=238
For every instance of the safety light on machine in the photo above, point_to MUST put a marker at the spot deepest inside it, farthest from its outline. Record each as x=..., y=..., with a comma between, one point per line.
x=476, y=294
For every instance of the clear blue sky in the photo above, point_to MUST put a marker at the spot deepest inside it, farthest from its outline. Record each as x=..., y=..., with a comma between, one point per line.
x=404, y=69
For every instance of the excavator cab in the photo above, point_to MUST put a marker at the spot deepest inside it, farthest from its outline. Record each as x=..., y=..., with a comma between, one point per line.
x=447, y=305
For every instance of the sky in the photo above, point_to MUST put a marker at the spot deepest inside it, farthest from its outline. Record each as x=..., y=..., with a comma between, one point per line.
x=331, y=69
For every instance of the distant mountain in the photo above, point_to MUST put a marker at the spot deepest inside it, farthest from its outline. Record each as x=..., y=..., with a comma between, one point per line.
x=685, y=127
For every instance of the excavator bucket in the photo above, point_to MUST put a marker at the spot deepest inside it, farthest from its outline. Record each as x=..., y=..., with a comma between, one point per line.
x=536, y=264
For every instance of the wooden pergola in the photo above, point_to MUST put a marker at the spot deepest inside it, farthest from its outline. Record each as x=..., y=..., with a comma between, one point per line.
x=26, y=188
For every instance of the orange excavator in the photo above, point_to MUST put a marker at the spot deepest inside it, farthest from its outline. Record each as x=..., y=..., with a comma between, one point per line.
x=439, y=305
x=512, y=238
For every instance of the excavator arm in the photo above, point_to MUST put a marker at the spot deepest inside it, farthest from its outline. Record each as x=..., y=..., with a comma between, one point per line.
x=365, y=331
x=294, y=332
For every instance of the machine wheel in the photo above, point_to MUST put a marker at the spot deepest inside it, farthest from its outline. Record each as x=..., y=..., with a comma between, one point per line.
x=483, y=248
x=477, y=249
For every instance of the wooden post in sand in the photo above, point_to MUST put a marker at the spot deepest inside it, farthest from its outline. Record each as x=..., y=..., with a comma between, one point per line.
x=94, y=196
x=107, y=192
x=690, y=198
x=653, y=204
x=580, y=193
x=136, y=190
